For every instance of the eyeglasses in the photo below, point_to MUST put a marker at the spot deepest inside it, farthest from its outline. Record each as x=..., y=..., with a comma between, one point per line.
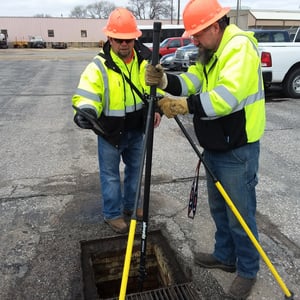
x=200, y=33
x=120, y=41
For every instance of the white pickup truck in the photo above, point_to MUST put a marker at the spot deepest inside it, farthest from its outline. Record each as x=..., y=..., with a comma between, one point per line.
x=281, y=66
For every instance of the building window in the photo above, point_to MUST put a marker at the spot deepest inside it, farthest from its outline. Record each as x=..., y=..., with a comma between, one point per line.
x=83, y=33
x=50, y=33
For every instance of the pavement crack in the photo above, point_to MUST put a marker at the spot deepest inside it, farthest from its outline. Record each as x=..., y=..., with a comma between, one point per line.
x=159, y=180
x=280, y=129
x=271, y=230
x=18, y=198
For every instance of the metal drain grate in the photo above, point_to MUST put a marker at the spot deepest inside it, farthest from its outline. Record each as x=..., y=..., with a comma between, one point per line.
x=103, y=261
x=183, y=291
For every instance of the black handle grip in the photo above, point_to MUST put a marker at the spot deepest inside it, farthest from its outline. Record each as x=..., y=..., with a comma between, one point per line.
x=156, y=42
x=155, y=50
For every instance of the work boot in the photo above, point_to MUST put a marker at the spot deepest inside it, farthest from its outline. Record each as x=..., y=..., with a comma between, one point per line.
x=208, y=261
x=118, y=225
x=241, y=287
x=139, y=213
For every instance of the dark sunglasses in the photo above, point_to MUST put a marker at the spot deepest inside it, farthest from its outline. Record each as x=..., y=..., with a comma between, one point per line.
x=120, y=41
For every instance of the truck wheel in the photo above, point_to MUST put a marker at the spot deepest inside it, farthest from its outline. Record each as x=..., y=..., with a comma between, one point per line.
x=291, y=85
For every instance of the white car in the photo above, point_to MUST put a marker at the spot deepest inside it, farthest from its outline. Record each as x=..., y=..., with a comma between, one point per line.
x=182, y=56
x=167, y=61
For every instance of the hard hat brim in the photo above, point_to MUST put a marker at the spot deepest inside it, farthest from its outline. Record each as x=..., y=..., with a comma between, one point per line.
x=118, y=35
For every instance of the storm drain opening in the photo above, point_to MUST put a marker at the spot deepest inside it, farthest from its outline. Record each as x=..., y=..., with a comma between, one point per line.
x=102, y=268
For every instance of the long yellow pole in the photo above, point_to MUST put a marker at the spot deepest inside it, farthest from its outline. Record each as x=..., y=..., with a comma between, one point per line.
x=127, y=261
x=253, y=239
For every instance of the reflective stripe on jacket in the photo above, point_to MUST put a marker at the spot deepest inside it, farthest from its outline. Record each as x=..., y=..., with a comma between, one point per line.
x=106, y=91
x=227, y=94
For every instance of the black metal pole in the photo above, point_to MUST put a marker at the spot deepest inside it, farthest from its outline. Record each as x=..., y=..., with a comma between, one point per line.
x=199, y=154
x=152, y=98
x=147, y=152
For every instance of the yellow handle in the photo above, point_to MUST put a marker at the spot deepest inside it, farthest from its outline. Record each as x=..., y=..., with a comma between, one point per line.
x=127, y=261
x=253, y=239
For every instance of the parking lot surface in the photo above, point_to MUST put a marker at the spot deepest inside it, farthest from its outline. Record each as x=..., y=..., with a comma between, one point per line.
x=50, y=194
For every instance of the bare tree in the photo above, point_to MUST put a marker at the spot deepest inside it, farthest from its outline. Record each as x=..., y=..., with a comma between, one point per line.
x=150, y=9
x=100, y=10
x=107, y=9
x=79, y=12
x=142, y=9
x=159, y=9
x=138, y=8
x=42, y=16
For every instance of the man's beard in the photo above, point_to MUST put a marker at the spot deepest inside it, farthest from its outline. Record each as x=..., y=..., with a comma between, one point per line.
x=204, y=55
x=124, y=54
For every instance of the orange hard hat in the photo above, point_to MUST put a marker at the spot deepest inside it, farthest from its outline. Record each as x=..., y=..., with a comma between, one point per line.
x=199, y=14
x=121, y=24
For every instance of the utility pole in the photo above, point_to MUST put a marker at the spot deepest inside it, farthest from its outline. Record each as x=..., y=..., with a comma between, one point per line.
x=238, y=8
x=178, y=12
x=171, y=11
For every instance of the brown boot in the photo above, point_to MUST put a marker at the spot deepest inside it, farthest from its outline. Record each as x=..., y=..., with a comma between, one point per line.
x=139, y=213
x=208, y=261
x=241, y=287
x=118, y=225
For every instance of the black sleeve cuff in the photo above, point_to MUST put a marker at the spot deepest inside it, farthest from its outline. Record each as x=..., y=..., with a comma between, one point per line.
x=174, y=86
x=195, y=105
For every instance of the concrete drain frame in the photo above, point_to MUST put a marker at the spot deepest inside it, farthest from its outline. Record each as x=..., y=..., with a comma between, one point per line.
x=102, y=267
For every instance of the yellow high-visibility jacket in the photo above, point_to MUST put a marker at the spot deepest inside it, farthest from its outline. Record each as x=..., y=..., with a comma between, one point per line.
x=226, y=96
x=103, y=88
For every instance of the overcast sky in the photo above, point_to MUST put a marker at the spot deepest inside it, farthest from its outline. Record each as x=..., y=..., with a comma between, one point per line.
x=58, y=8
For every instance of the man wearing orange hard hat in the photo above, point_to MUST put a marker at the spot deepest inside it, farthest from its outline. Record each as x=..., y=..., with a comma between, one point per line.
x=225, y=93
x=111, y=90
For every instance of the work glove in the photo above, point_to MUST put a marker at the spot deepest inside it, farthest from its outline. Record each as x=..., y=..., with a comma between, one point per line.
x=172, y=106
x=156, y=76
x=82, y=122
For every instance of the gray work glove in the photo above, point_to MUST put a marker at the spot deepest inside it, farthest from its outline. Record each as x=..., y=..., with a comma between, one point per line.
x=82, y=122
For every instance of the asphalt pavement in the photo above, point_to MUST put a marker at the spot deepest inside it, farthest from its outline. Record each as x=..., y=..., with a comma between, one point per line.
x=50, y=193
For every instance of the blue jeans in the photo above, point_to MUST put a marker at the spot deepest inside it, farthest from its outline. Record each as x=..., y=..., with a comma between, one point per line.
x=117, y=196
x=236, y=170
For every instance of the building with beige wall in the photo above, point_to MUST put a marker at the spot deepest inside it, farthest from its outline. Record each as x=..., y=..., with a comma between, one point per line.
x=88, y=32
x=75, y=32
x=266, y=19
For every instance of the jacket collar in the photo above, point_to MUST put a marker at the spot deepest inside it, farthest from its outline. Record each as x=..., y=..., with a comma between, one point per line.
x=141, y=51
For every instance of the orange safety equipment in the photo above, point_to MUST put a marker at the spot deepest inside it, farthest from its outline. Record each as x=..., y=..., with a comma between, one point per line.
x=199, y=14
x=121, y=24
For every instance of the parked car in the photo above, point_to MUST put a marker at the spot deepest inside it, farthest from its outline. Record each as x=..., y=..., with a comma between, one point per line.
x=270, y=36
x=171, y=44
x=281, y=66
x=167, y=61
x=37, y=42
x=182, y=56
x=3, y=41
x=193, y=58
x=295, y=36
x=59, y=45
